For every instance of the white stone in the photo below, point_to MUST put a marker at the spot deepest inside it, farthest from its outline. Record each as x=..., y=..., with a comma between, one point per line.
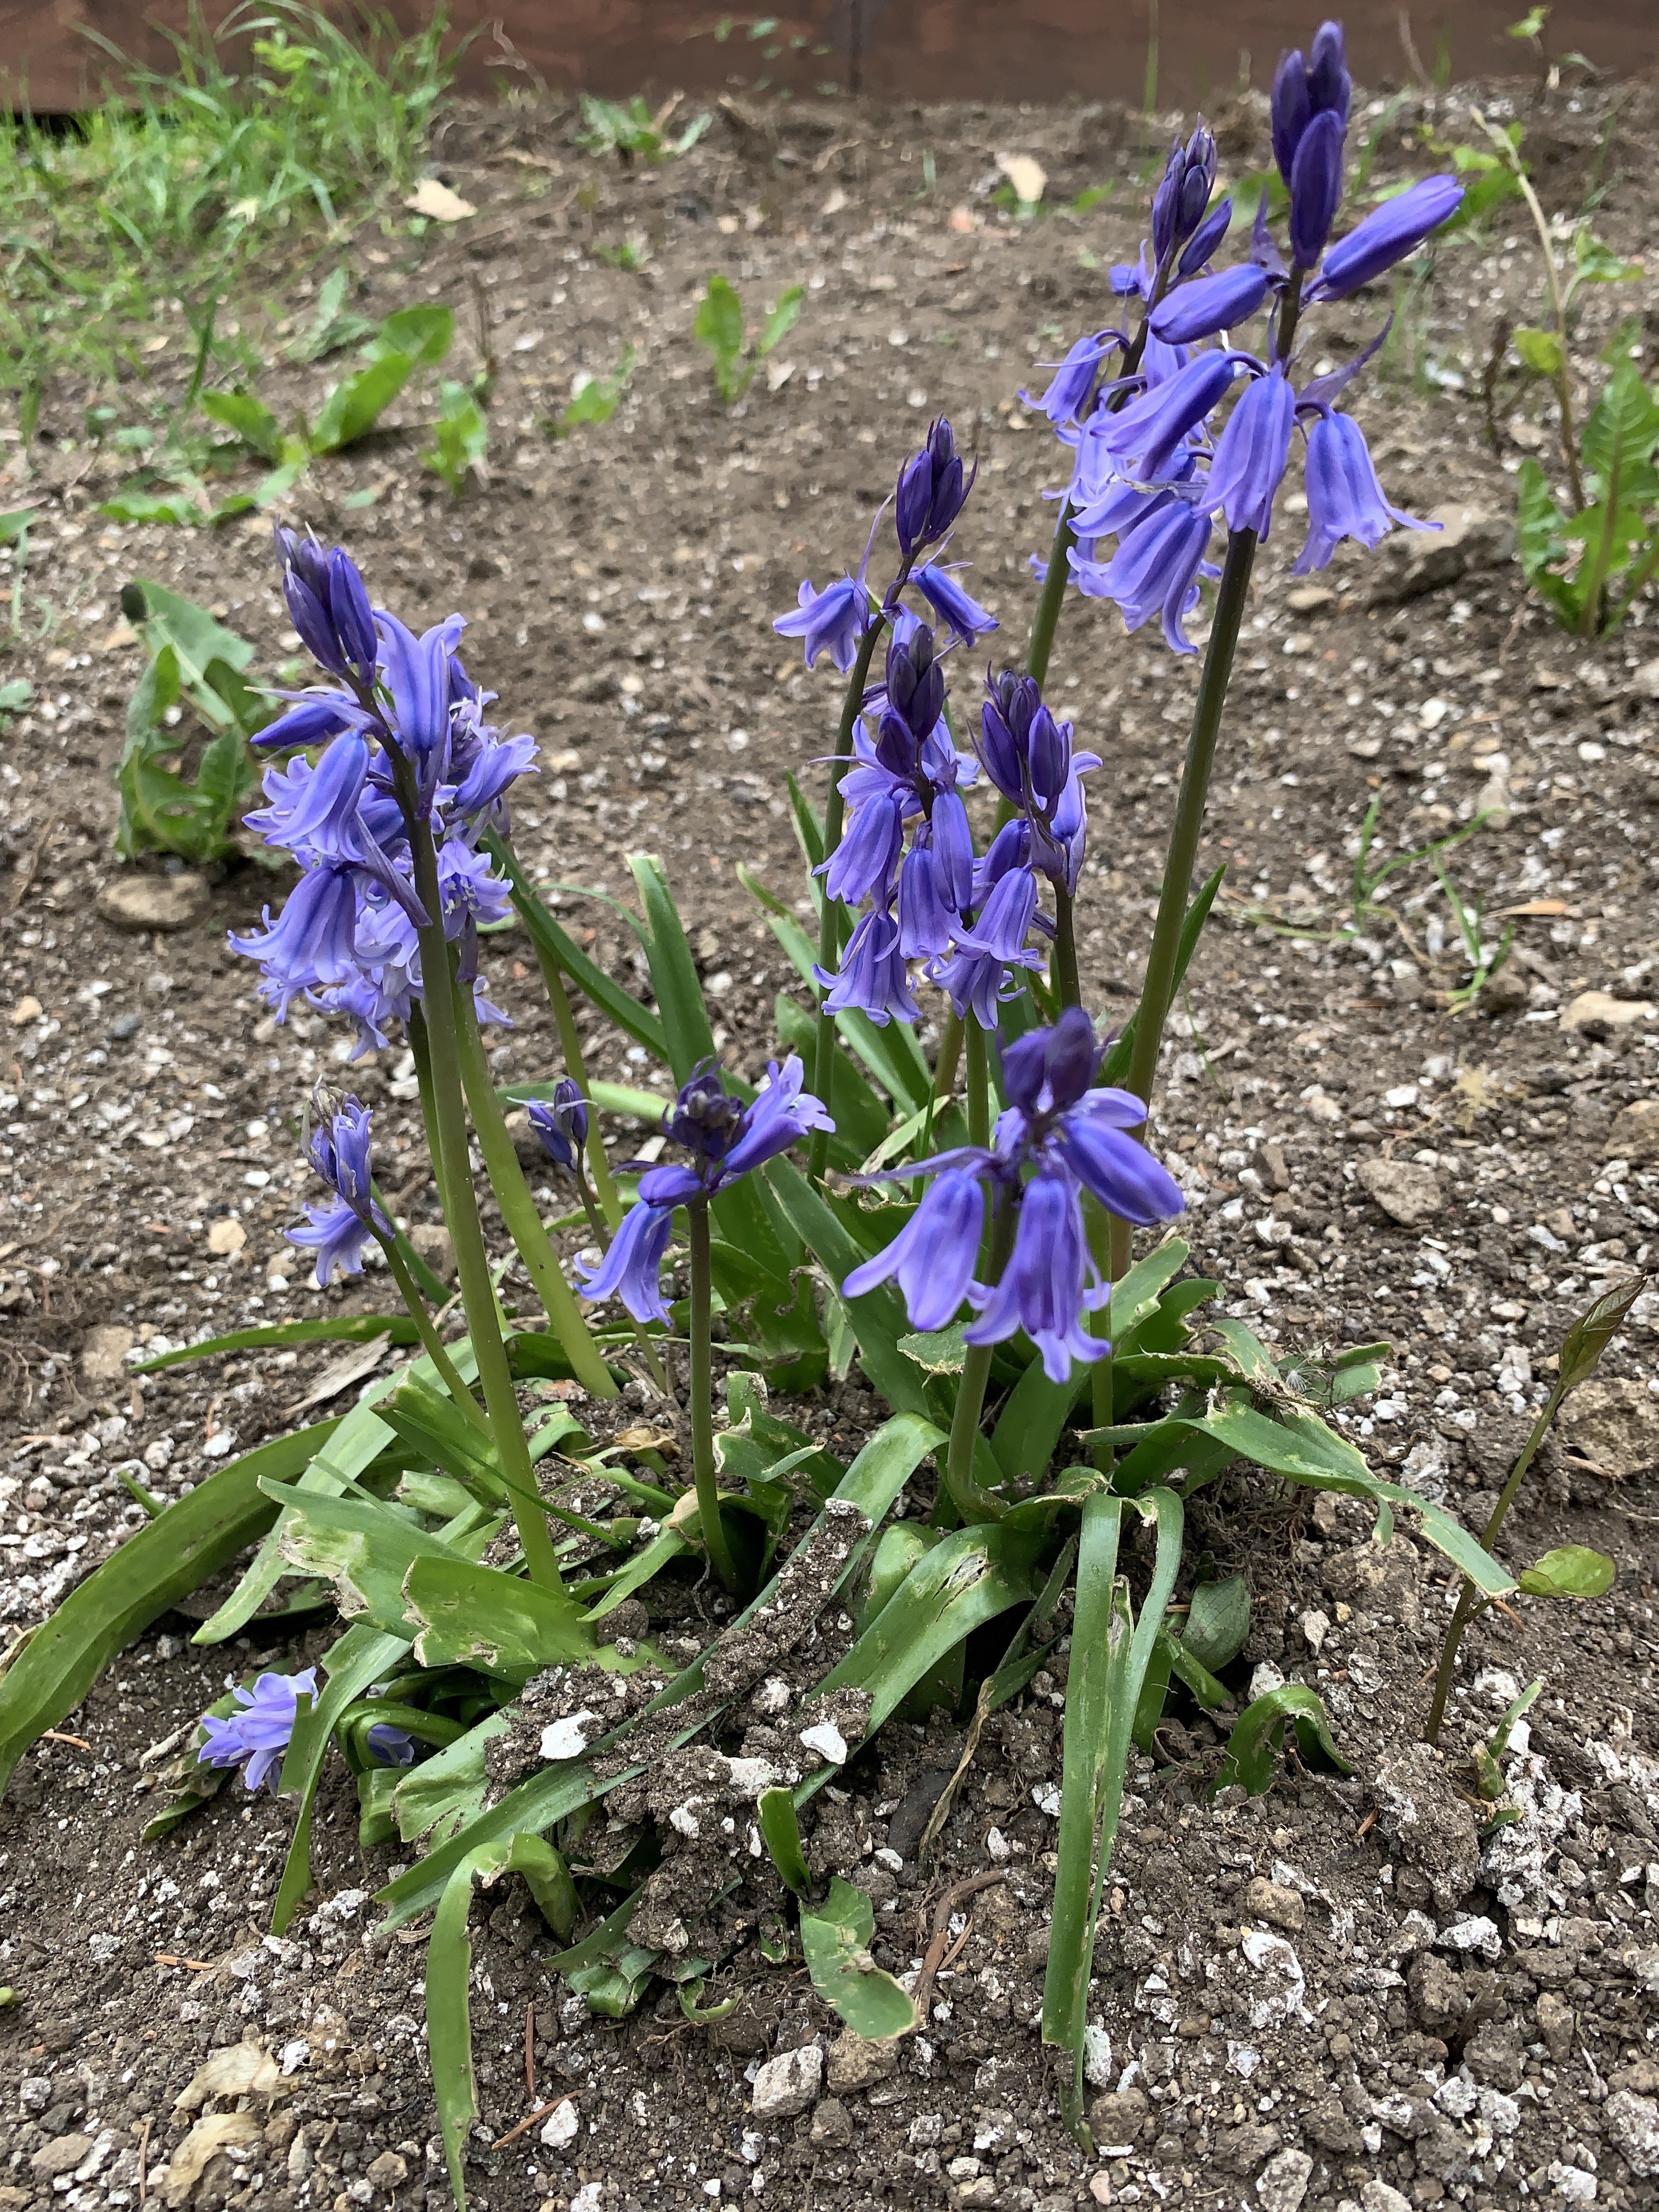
x=1571, y=2183
x=750, y=1776
x=773, y=1696
x=1378, y=2197
x=563, y=2126
x=1097, y=2057
x=789, y=2083
x=1276, y=1962
x=1266, y=1677
x=996, y=1845
x=827, y=1740
x=1474, y=1934
x=567, y=1739
x=1283, y=2182
x=1316, y=1628
x=1631, y=2123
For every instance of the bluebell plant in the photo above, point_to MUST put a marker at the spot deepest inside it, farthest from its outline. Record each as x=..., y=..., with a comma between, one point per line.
x=255, y=1736
x=963, y=1230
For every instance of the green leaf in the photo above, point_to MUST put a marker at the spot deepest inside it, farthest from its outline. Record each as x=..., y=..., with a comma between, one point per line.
x=674, y=971
x=597, y=399
x=1569, y=1571
x=1541, y=351
x=1594, y=1330
x=1111, y=1655
x=1539, y=525
x=1594, y=262
x=619, y=1007
x=345, y=1328
x=15, y=695
x=1218, y=1622
x=719, y=327
x=835, y=1938
x=13, y=526
x=250, y=420
x=169, y=1557
x=937, y=1351
x=424, y=333
x=470, y=1615
x=365, y=1548
x=877, y=1317
x=1623, y=428
x=449, y=2021
x=352, y=408
x=153, y=506
x=782, y=321
x=360, y=1657
x=1253, y=1746
x=461, y=438
x=780, y=1834
x=445, y=1792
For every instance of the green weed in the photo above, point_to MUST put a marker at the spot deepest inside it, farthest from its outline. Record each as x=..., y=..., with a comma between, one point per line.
x=719, y=327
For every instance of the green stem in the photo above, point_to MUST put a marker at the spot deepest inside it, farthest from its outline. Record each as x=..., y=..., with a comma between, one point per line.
x=519, y=1209
x=460, y=1207
x=1185, y=831
x=950, y=1056
x=835, y=813
x=703, y=1396
x=576, y=1068
x=971, y=1502
x=420, y=1044
x=1046, y=620
x=430, y=1341
x=979, y=1084
x=1469, y=1596
x=1065, y=966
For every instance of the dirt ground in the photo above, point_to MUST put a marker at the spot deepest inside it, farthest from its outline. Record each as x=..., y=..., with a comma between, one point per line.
x=1330, y=1996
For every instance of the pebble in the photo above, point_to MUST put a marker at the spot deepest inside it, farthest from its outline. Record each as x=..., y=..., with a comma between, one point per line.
x=1600, y=1008
x=1634, y=1136
x=1378, y=2197
x=832, y=2124
x=787, y=2084
x=856, y=2062
x=140, y=902
x=1632, y=2122
x=563, y=2126
x=1283, y=2182
x=1271, y=1901
x=1407, y=1192
x=104, y=1352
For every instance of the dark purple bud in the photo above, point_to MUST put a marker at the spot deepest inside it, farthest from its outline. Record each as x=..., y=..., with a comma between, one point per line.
x=704, y=1117
x=932, y=491
x=561, y=1123
x=1291, y=109
x=897, y=747
x=1315, y=188
x=304, y=557
x=310, y=617
x=1023, y=1063
x=1329, y=85
x=1005, y=721
x=1204, y=239
x=1070, y=1059
x=348, y=608
x=1198, y=181
x=1048, y=759
x=916, y=681
x=1166, y=204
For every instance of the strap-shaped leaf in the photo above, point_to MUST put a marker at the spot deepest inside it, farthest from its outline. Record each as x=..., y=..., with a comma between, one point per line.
x=619, y=1007
x=1253, y=1745
x=835, y=1939
x=362, y=1655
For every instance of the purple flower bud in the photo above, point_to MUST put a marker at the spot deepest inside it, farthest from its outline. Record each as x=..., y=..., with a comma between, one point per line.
x=1048, y=759
x=1144, y=437
x=1209, y=304
x=1184, y=194
x=1315, y=188
x=1206, y=236
x=915, y=680
x=310, y=721
x=932, y=491
x=351, y=615
x=1005, y=721
x=1121, y=1174
x=953, y=845
x=560, y=1122
x=1387, y=235
x=1048, y=1070
x=704, y=1115
x=1302, y=90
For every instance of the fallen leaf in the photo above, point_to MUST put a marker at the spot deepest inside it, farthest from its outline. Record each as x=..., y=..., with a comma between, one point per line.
x=836, y=201
x=26, y=1010
x=1534, y=906
x=238, y=2069
x=647, y=1439
x=432, y=197
x=1027, y=177
x=217, y=2132
x=226, y=1236
x=352, y=1367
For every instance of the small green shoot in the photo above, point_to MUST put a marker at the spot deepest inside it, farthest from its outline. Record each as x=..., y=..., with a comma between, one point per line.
x=1572, y=1571
x=835, y=1938
x=183, y=783
x=1263, y=1729
x=632, y=132
x=719, y=327
x=461, y=438
x=1482, y=960
x=1487, y=1757
x=594, y=398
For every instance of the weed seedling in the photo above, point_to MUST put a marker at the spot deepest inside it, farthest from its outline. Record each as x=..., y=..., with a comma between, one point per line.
x=594, y=399
x=719, y=327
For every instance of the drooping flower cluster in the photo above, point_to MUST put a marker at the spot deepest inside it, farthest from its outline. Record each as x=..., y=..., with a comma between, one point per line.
x=1057, y=1138
x=1150, y=469
x=726, y=1139
x=337, y=1230
x=403, y=743
x=256, y=1737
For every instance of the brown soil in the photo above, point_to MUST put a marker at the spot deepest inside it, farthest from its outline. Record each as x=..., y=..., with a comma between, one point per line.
x=1327, y=1995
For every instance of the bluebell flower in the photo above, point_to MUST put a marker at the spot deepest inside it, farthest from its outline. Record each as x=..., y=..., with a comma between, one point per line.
x=933, y=1256
x=312, y=943
x=924, y=920
x=560, y=1122
x=1072, y=384
x=336, y=1232
x=832, y=620
x=963, y=618
x=727, y=1140
x=494, y=766
x=1155, y=569
x=1315, y=187
x=312, y=719
x=256, y=1738
x=1387, y=236
x=1345, y=499
x=1252, y=453
x=865, y=861
x=328, y=605
x=873, y=979
x=390, y=1745
x=1058, y=1137
x=1205, y=239
x=416, y=674
x=313, y=809
x=1144, y=437
x=1183, y=194
x=932, y=490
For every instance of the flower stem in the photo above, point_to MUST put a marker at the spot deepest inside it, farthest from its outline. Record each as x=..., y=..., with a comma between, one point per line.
x=703, y=1396
x=950, y=1056
x=1469, y=1596
x=420, y=1046
x=835, y=813
x=1157, y=991
x=1041, y=642
x=430, y=1341
x=576, y=1068
x=1065, y=964
x=460, y=1207
x=602, y=1232
x=519, y=1209
x=971, y=1502
x=979, y=1084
